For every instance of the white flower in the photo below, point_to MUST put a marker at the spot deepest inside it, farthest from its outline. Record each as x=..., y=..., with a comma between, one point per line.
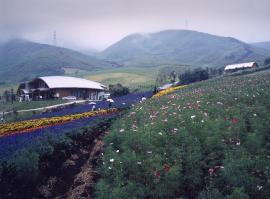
x=254, y=114
x=259, y=187
x=159, y=133
x=112, y=160
x=149, y=152
x=109, y=167
x=122, y=130
x=202, y=121
x=193, y=116
x=139, y=163
x=117, y=151
x=238, y=143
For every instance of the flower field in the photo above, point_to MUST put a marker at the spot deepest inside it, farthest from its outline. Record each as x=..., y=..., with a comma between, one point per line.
x=208, y=140
x=168, y=90
x=18, y=135
x=29, y=125
x=119, y=102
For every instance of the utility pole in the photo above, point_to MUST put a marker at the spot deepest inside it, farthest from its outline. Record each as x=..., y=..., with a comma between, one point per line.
x=12, y=98
x=186, y=24
x=54, y=38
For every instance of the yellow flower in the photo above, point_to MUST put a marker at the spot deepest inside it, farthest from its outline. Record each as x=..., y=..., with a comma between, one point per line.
x=10, y=128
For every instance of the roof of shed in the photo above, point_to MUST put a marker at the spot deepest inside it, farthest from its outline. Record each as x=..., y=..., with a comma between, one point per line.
x=70, y=82
x=240, y=65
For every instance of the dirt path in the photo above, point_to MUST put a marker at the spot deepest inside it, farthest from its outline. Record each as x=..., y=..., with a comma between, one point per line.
x=77, y=176
x=84, y=182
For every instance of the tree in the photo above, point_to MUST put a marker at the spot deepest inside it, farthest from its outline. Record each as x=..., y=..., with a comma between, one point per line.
x=267, y=61
x=173, y=76
x=118, y=90
x=6, y=95
x=197, y=74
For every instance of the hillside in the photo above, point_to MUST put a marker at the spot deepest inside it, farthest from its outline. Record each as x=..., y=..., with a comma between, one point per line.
x=181, y=47
x=21, y=60
x=265, y=45
x=207, y=140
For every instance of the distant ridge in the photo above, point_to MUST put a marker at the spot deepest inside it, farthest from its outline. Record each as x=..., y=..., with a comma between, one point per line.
x=182, y=47
x=265, y=45
x=21, y=60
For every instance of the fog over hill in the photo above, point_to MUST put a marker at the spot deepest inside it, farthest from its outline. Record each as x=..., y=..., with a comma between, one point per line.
x=182, y=47
x=265, y=45
x=21, y=60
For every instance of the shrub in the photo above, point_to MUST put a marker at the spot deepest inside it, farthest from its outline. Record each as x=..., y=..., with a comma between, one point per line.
x=118, y=90
x=198, y=74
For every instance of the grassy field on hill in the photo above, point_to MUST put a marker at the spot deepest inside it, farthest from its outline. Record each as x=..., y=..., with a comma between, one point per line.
x=127, y=76
x=135, y=77
x=209, y=140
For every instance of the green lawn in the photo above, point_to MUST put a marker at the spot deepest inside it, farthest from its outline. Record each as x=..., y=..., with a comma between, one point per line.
x=127, y=76
x=8, y=106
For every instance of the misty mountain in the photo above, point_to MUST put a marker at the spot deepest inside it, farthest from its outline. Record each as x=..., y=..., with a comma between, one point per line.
x=182, y=47
x=265, y=45
x=21, y=60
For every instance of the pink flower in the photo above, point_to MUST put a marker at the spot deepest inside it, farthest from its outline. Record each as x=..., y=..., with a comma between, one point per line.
x=166, y=167
x=211, y=171
x=157, y=174
x=235, y=120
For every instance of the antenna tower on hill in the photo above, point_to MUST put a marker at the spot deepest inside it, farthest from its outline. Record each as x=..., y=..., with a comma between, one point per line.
x=186, y=24
x=54, y=38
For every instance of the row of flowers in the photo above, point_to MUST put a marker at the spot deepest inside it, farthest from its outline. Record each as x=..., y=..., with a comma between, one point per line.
x=11, y=128
x=168, y=90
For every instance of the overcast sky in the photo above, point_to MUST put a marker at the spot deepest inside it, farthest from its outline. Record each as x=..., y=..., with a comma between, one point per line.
x=99, y=23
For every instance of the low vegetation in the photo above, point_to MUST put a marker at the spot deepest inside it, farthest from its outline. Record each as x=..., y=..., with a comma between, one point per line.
x=196, y=75
x=118, y=90
x=46, y=169
x=209, y=140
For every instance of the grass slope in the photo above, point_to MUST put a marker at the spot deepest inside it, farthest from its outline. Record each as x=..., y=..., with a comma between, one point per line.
x=21, y=60
x=132, y=77
x=209, y=140
x=181, y=47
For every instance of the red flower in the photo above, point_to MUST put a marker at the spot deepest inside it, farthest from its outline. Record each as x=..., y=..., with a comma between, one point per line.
x=235, y=120
x=166, y=167
x=157, y=174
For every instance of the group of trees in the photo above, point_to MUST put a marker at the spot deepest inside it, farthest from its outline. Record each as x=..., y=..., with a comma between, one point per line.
x=267, y=61
x=117, y=90
x=8, y=96
x=195, y=75
x=187, y=76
